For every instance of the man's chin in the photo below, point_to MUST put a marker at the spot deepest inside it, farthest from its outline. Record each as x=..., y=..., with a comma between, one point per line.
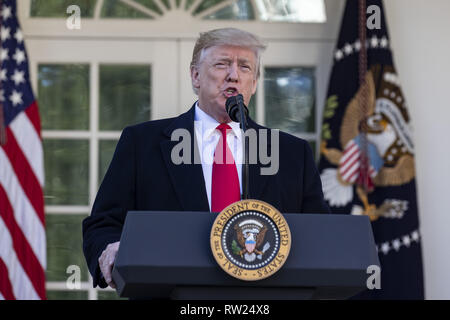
x=224, y=118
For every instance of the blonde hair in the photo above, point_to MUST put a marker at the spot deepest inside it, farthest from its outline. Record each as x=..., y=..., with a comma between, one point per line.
x=227, y=37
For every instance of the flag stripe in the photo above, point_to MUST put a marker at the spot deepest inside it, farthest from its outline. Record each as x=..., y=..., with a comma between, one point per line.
x=350, y=154
x=30, y=143
x=22, y=287
x=21, y=246
x=6, y=291
x=33, y=114
x=351, y=167
x=349, y=151
x=354, y=175
x=349, y=162
x=24, y=213
x=25, y=175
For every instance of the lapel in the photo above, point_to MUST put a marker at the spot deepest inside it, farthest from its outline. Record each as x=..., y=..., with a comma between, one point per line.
x=257, y=182
x=187, y=179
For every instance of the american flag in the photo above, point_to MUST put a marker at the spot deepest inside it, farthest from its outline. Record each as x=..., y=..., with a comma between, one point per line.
x=22, y=221
x=350, y=164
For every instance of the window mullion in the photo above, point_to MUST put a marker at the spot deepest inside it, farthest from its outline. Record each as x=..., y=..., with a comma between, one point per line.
x=92, y=292
x=94, y=143
x=98, y=9
x=260, y=101
x=161, y=6
x=94, y=149
x=214, y=8
x=139, y=7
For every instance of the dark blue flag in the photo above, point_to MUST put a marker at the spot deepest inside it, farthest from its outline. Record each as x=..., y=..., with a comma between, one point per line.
x=367, y=151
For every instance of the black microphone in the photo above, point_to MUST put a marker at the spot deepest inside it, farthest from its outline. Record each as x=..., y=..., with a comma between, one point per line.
x=238, y=112
x=232, y=107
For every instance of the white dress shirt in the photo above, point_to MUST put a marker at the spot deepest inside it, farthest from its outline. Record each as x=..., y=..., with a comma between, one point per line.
x=207, y=138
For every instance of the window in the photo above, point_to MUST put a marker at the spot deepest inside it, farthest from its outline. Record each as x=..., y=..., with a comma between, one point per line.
x=69, y=139
x=290, y=101
x=263, y=10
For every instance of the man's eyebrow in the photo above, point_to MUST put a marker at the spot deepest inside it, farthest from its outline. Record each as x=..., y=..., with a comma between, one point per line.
x=246, y=61
x=228, y=59
x=224, y=58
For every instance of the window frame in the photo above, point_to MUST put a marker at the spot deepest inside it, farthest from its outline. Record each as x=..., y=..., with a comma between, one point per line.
x=168, y=26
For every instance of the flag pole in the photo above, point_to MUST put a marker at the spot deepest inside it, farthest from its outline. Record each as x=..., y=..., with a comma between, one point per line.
x=362, y=71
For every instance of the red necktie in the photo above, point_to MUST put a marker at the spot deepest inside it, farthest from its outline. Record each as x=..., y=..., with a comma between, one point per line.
x=225, y=181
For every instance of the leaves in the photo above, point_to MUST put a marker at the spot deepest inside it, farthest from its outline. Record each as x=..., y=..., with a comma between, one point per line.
x=330, y=109
x=326, y=132
x=235, y=248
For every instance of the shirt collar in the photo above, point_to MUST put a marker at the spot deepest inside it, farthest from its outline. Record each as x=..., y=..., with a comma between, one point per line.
x=209, y=124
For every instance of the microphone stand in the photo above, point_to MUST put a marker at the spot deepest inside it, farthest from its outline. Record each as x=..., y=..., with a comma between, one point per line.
x=245, y=170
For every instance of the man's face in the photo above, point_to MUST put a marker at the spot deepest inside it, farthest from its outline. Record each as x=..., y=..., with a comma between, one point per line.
x=224, y=71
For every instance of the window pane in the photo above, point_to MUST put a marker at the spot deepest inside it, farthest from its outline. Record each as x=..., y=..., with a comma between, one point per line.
x=290, y=99
x=57, y=8
x=117, y=9
x=240, y=10
x=67, y=295
x=150, y=4
x=167, y=4
x=63, y=96
x=66, y=172
x=124, y=95
x=64, y=246
x=188, y=4
x=252, y=108
x=106, y=152
x=206, y=4
x=292, y=10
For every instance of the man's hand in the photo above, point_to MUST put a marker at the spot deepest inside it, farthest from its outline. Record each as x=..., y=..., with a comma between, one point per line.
x=106, y=262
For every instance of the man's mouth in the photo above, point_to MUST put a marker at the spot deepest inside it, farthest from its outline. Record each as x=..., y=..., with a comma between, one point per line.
x=230, y=92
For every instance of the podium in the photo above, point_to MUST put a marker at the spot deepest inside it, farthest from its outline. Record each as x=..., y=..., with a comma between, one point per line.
x=167, y=255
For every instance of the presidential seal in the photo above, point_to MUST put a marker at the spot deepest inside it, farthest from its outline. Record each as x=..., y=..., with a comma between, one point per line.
x=250, y=240
x=381, y=134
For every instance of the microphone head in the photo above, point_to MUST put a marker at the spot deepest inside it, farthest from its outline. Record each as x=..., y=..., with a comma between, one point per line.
x=232, y=107
x=232, y=101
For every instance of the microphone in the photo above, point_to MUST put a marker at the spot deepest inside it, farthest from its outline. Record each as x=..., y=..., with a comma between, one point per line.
x=238, y=112
x=232, y=106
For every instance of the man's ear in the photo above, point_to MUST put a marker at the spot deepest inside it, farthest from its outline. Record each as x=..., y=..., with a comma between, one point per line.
x=255, y=85
x=195, y=77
